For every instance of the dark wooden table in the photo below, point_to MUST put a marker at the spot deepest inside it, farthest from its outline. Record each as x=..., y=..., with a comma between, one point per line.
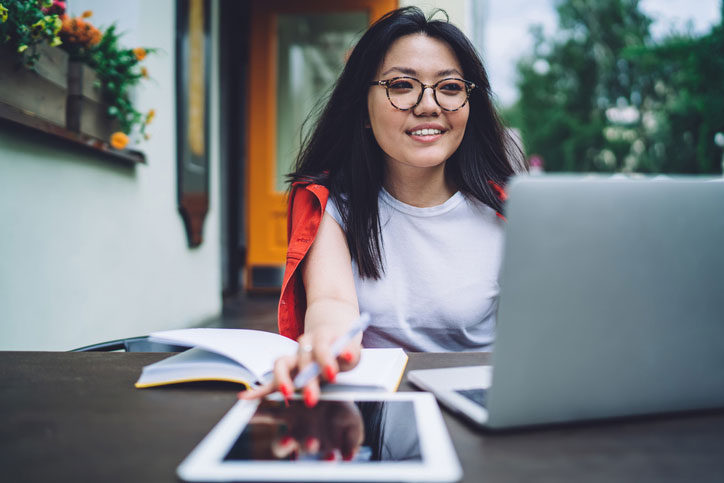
x=77, y=417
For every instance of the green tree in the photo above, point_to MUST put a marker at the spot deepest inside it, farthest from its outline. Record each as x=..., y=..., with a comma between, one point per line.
x=599, y=95
x=686, y=109
x=575, y=77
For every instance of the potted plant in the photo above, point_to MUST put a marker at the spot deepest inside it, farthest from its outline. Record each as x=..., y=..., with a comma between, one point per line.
x=33, y=72
x=85, y=85
x=101, y=76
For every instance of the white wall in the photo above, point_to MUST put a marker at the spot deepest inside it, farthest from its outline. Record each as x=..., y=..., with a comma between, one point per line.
x=90, y=250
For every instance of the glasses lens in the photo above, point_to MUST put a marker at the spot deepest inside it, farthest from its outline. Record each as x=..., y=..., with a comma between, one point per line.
x=404, y=92
x=451, y=94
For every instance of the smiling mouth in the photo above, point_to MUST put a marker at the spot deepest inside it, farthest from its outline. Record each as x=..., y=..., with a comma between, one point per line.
x=425, y=132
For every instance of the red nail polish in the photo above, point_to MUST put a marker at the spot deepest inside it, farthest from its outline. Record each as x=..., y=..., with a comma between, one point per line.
x=285, y=390
x=311, y=444
x=346, y=356
x=310, y=400
x=330, y=456
x=286, y=440
x=329, y=373
x=348, y=456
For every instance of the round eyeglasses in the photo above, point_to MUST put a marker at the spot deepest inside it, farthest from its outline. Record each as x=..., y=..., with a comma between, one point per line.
x=405, y=93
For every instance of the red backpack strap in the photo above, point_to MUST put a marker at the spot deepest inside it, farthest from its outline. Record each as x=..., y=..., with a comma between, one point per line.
x=307, y=203
x=502, y=195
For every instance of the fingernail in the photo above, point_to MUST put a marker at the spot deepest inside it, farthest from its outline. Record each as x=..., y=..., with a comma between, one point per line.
x=348, y=456
x=311, y=444
x=347, y=356
x=310, y=400
x=330, y=456
x=286, y=440
x=285, y=390
x=329, y=373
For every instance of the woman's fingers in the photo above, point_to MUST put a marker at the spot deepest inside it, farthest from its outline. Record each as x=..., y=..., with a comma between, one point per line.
x=305, y=353
x=308, y=353
x=310, y=393
x=282, y=380
x=257, y=392
x=311, y=350
x=285, y=447
x=328, y=367
x=317, y=350
x=283, y=368
x=349, y=357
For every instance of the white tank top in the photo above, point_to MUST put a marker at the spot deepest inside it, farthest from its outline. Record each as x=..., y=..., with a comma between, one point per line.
x=439, y=289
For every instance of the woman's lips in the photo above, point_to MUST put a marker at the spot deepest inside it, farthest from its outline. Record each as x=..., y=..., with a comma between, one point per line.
x=426, y=134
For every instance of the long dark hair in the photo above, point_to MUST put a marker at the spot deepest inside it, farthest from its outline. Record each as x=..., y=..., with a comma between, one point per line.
x=342, y=154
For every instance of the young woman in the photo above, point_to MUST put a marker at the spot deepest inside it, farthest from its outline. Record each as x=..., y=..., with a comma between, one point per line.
x=395, y=206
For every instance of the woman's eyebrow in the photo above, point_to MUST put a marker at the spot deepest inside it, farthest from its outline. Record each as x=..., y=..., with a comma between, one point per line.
x=447, y=72
x=402, y=70
x=413, y=72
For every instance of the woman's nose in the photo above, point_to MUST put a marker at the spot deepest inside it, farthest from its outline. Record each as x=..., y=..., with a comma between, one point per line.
x=428, y=105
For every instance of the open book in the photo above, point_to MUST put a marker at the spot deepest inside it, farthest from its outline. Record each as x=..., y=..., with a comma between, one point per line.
x=247, y=357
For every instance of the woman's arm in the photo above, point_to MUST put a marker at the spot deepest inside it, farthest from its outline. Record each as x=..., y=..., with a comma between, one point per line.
x=329, y=282
x=331, y=304
x=331, y=309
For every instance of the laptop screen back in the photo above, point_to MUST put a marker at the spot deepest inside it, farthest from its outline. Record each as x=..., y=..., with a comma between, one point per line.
x=612, y=300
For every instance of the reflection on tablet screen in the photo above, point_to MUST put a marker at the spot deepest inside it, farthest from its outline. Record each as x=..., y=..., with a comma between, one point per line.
x=333, y=430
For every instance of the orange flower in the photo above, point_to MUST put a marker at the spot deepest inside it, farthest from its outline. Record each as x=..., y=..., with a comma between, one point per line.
x=140, y=53
x=144, y=72
x=119, y=140
x=87, y=13
x=149, y=117
x=78, y=31
x=96, y=37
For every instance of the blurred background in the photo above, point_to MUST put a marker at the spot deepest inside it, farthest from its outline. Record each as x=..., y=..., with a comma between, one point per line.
x=143, y=145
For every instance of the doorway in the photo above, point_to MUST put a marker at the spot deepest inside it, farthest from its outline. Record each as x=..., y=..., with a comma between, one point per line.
x=297, y=50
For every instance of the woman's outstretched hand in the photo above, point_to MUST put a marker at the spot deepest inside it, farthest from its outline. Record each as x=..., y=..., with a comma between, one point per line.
x=313, y=347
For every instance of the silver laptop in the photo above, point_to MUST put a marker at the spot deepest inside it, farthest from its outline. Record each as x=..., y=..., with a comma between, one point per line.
x=611, y=305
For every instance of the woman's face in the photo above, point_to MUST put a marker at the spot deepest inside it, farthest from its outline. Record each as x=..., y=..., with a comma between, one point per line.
x=425, y=136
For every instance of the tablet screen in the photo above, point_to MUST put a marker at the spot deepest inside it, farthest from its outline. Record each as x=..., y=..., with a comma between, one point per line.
x=374, y=437
x=333, y=430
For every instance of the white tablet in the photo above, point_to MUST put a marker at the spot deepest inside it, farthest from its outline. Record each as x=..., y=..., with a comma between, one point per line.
x=346, y=437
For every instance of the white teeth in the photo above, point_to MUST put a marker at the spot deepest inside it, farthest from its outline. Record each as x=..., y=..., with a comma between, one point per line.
x=426, y=132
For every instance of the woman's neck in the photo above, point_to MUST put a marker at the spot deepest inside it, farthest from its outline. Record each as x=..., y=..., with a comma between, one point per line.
x=421, y=187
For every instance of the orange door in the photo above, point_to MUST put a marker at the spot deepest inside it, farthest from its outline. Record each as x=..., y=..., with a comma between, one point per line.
x=297, y=51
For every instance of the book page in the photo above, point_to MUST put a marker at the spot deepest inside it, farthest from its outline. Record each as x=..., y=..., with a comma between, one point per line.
x=195, y=364
x=377, y=368
x=254, y=349
x=257, y=350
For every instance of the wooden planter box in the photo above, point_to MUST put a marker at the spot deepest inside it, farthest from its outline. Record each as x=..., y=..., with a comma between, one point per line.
x=58, y=91
x=41, y=93
x=85, y=110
